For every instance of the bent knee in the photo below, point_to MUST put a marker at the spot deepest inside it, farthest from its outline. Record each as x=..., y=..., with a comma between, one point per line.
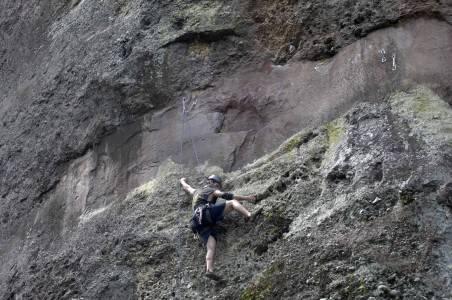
x=233, y=202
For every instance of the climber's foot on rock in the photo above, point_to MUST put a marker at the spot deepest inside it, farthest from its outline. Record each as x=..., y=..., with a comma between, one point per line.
x=261, y=196
x=213, y=276
x=253, y=216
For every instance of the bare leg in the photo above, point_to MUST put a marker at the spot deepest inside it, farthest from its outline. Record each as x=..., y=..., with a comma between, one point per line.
x=210, y=256
x=235, y=205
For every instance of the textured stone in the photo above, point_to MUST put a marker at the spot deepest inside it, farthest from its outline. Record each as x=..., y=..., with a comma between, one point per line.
x=90, y=110
x=135, y=247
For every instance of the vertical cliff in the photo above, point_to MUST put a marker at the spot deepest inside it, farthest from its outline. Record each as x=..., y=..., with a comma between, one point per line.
x=91, y=96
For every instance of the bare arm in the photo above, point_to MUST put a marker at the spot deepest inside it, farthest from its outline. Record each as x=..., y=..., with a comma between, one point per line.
x=221, y=194
x=251, y=198
x=186, y=186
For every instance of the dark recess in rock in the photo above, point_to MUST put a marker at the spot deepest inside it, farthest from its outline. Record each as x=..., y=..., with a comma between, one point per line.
x=208, y=36
x=351, y=208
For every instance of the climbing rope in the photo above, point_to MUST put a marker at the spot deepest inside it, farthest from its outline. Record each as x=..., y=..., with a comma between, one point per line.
x=195, y=152
x=179, y=221
x=179, y=254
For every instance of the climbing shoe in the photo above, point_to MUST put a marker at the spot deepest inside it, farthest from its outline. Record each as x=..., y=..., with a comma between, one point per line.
x=213, y=276
x=261, y=196
x=254, y=215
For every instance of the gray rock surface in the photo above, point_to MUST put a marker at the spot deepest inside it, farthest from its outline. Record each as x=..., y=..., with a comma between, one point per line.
x=319, y=233
x=90, y=110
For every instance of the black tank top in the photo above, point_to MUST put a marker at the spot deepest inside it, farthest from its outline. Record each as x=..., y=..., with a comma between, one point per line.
x=204, y=196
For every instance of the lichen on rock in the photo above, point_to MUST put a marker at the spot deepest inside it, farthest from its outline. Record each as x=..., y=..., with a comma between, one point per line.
x=337, y=116
x=427, y=114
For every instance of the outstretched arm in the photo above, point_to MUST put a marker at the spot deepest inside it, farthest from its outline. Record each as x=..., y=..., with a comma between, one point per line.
x=251, y=198
x=230, y=196
x=186, y=186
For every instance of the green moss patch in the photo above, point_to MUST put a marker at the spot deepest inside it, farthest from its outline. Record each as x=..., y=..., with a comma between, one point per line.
x=422, y=104
x=335, y=131
x=263, y=287
x=354, y=288
x=294, y=142
x=428, y=116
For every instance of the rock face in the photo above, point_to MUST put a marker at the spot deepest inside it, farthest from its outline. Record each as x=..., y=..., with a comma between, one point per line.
x=91, y=109
x=350, y=210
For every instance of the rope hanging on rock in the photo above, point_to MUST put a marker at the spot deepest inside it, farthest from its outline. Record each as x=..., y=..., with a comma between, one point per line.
x=184, y=114
x=179, y=202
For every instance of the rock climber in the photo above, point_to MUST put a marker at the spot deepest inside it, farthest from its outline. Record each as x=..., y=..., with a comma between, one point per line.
x=207, y=212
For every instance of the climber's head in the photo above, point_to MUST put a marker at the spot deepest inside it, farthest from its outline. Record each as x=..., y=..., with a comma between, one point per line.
x=215, y=180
